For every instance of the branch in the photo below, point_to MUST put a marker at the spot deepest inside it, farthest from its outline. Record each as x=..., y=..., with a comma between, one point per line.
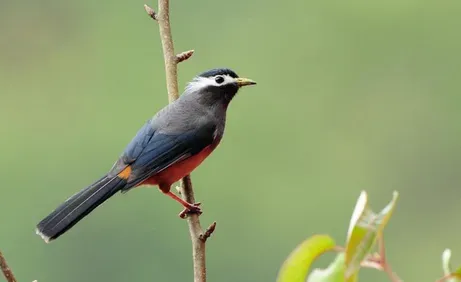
x=7, y=272
x=195, y=230
x=446, y=277
x=169, y=57
x=385, y=265
x=198, y=237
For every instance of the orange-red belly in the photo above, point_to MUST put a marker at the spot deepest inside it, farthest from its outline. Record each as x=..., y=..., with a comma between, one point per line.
x=179, y=170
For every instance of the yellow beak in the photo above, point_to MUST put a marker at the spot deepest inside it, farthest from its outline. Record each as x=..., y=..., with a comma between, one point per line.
x=241, y=81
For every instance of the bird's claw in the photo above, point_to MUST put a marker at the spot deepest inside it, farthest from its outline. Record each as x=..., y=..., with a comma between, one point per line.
x=190, y=209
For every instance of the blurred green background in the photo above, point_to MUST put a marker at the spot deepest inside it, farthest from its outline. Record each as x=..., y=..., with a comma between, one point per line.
x=351, y=95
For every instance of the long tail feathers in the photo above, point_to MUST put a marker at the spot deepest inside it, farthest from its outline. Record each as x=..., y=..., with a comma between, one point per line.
x=78, y=206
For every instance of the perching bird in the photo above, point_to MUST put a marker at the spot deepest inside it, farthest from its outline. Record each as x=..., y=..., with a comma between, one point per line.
x=167, y=148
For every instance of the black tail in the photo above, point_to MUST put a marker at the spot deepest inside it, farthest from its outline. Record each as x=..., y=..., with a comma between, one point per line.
x=78, y=206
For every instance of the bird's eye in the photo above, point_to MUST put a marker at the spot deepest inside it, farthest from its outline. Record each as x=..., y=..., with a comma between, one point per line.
x=219, y=79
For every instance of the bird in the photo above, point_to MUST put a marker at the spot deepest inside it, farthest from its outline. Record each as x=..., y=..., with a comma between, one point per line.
x=168, y=147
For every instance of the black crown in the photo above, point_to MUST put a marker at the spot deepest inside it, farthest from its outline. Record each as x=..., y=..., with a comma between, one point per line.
x=220, y=71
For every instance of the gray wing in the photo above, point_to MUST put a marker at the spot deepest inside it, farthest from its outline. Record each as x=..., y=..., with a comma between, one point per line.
x=152, y=150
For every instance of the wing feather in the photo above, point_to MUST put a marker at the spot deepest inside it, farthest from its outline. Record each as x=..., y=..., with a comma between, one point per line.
x=152, y=151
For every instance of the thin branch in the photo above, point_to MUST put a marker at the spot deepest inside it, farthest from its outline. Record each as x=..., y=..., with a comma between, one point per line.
x=171, y=70
x=446, y=277
x=187, y=193
x=195, y=230
x=392, y=275
x=385, y=265
x=7, y=272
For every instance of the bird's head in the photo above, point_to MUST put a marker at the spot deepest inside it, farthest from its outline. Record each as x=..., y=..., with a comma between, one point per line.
x=217, y=85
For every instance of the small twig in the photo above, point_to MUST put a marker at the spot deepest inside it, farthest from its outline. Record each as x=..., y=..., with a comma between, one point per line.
x=446, y=277
x=150, y=12
x=385, y=265
x=7, y=272
x=208, y=232
x=184, y=56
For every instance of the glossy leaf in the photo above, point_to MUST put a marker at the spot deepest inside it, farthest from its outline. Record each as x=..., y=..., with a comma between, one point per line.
x=446, y=265
x=364, y=229
x=297, y=265
x=333, y=273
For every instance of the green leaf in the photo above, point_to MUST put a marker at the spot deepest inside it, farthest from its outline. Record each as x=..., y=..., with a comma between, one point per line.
x=364, y=229
x=333, y=273
x=297, y=265
x=455, y=276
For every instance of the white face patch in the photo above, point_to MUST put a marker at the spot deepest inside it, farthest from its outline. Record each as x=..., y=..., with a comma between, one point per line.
x=201, y=82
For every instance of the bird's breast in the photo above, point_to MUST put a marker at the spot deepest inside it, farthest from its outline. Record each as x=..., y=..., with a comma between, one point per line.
x=180, y=169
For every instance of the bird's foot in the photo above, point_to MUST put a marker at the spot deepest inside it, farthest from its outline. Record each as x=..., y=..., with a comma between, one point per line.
x=190, y=209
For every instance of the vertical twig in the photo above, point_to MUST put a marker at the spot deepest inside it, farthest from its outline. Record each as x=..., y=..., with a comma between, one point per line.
x=7, y=272
x=171, y=69
x=195, y=230
x=186, y=191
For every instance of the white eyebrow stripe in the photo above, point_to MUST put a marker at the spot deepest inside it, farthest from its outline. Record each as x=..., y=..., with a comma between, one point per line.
x=201, y=82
